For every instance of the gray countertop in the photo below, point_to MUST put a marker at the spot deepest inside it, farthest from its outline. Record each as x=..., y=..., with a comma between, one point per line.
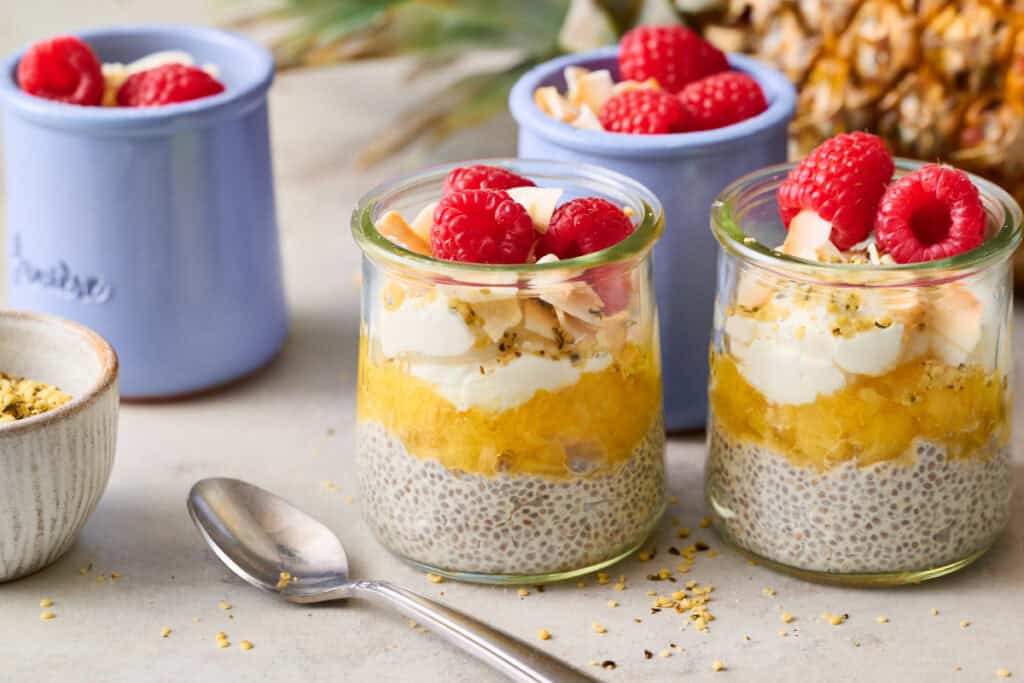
x=289, y=429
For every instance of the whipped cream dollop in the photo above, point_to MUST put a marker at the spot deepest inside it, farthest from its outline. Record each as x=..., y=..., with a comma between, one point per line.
x=465, y=363
x=500, y=386
x=795, y=342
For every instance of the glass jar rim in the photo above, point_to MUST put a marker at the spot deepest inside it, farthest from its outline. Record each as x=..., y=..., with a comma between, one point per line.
x=375, y=245
x=728, y=231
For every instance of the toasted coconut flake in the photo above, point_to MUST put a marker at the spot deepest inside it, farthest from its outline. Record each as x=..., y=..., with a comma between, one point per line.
x=808, y=238
x=551, y=102
x=539, y=202
x=626, y=86
x=587, y=119
x=498, y=316
x=956, y=317
x=613, y=332
x=577, y=299
x=394, y=227
x=591, y=89
x=539, y=319
x=424, y=221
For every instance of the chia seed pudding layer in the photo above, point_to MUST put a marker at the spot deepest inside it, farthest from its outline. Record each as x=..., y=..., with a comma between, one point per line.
x=515, y=524
x=921, y=512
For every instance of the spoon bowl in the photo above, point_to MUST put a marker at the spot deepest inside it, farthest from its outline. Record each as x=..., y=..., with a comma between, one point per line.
x=264, y=538
x=278, y=548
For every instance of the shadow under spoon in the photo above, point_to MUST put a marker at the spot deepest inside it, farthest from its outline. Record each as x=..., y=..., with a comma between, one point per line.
x=278, y=548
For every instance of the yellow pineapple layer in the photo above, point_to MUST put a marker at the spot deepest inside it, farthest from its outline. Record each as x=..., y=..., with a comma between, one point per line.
x=604, y=416
x=872, y=419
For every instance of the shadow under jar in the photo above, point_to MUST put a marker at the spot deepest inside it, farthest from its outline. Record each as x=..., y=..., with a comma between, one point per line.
x=859, y=429
x=510, y=417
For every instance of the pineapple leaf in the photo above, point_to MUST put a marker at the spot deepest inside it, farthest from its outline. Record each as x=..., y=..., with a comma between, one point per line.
x=466, y=102
x=489, y=98
x=387, y=27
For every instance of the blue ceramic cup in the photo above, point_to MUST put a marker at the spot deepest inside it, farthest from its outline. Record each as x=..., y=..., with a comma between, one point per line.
x=156, y=227
x=686, y=171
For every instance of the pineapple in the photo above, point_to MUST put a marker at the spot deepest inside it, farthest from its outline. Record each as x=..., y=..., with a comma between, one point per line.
x=938, y=79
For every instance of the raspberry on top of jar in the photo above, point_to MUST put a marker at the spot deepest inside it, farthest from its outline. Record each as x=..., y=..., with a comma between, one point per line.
x=66, y=69
x=672, y=81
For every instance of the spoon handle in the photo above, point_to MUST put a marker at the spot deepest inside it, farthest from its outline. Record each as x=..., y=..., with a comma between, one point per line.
x=512, y=657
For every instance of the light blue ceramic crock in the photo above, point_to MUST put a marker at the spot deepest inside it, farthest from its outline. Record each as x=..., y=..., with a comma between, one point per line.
x=686, y=171
x=156, y=227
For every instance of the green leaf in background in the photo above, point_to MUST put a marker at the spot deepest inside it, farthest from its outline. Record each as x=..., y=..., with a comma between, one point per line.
x=439, y=32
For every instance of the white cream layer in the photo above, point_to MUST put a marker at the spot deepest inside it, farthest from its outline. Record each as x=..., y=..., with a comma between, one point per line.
x=436, y=345
x=796, y=357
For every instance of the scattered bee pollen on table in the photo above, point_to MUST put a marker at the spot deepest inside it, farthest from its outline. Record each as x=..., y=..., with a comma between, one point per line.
x=246, y=645
x=598, y=628
x=787, y=617
x=717, y=665
x=224, y=604
x=544, y=634
x=684, y=532
x=46, y=616
x=935, y=612
x=46, y=602
x=283, y=580
x=434, y=578
x=705, y=522
x=1003, y=673
x=834, y=619
x=643, y=556
x=222, y=643
x=964, y=623
x=522, y=592
x=673, y=500
x=165, y=631
x=613, y=603
x=882, y=620
x=768, y=592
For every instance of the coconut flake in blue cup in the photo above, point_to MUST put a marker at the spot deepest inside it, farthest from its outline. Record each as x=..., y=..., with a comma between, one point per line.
x=154, y=226
x=686, y=171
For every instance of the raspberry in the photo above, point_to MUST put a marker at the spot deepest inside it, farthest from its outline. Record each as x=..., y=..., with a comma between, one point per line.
x=583, y=226
x=722, y=99
x=482, y=177
x=481, y=226
x=645, y=112
x=64, y=69
x=167, y=84
x=672, y=55
x=842, y=180
x=933, y=213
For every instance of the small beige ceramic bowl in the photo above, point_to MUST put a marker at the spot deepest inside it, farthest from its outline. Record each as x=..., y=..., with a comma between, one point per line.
x=54, y=467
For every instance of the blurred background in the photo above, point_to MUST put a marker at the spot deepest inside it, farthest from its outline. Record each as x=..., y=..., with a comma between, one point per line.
x=425, y=80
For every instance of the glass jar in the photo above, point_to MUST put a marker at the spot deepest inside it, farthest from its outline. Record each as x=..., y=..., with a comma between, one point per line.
x=860, y=413
x=510, y=417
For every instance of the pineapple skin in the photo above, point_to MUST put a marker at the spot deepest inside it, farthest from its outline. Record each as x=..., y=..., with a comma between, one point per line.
x=937, y=79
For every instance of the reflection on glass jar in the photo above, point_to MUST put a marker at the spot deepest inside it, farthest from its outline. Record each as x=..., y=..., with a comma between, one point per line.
x=510, y=417
x=860, y=414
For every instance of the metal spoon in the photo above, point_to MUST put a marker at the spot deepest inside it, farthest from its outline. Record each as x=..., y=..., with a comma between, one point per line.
x=259, y=536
